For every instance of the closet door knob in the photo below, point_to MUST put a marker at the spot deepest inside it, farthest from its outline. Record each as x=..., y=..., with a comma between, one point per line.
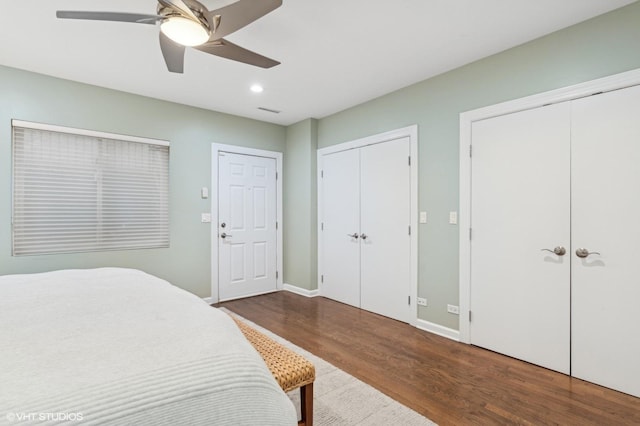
x=560, y=251
x=225, y=235
x=354, y=235
x=363, y=236
x=583, y=252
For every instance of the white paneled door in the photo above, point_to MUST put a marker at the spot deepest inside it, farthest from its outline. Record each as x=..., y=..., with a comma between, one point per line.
x=341, y=226
x=365, y=216
x=520, y=292
x=605, y=198
x=247, y=225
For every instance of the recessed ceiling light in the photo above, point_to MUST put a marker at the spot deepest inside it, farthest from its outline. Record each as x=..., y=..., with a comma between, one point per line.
x=256, y=88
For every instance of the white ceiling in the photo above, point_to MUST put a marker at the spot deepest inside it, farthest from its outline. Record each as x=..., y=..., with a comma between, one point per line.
x=335, y=53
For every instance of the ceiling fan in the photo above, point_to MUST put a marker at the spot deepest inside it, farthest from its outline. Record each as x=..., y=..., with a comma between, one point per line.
x=189, y=23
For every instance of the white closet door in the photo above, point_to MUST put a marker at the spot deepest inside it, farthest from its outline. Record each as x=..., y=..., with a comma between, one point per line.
x=606, y=219
x=520, y=205
x=385, y=218
x=247, y=241
x=341, y=227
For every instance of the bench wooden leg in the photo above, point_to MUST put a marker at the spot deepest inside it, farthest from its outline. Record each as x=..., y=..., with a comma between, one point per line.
x=306, y=405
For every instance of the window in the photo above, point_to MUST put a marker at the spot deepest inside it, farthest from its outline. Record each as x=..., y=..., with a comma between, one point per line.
x=79, y=190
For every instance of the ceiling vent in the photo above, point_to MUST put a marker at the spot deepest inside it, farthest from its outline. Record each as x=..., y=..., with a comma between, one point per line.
x=269, y=110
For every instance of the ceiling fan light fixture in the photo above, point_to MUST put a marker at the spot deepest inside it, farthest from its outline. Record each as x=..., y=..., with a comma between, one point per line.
x=185, y=31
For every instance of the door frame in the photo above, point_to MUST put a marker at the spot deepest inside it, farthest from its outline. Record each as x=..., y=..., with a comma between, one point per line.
x=412, y=133
x=216, y=149
x=605, y=84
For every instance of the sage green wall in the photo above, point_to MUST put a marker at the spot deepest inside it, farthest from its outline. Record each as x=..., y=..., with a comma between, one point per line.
x=603, y=46
x=300, y=205
x=35, y=97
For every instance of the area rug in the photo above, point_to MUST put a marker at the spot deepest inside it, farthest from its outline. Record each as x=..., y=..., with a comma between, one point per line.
x=341, y=399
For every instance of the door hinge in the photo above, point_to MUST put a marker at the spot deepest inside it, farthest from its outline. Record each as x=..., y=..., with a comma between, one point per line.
x=409, y=301
x=469, y=234
x=409, y=229
x=322, y=226
x=469, y=316
x=321, y=278
x=321, y=173
x=470, y=151
x=409, y=160
x=276, y=175
x=277, y=275
x=276, y=225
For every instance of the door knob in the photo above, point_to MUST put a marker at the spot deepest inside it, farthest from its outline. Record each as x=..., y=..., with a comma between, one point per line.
x=560, y=251
x=583, y=252
x=223, y=225
x=225, y=235
x=363, y=236
x=354, y=235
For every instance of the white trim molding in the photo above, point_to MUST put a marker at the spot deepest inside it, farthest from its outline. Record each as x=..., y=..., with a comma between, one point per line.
x=412, y=133
x=216, y=148
x=606, y=84
x=440, y=330
x=301, y=291
x=86, y=132
x=208, y=300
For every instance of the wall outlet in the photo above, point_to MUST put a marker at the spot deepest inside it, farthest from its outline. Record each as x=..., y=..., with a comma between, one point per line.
x=453, y=309
x=422, y=301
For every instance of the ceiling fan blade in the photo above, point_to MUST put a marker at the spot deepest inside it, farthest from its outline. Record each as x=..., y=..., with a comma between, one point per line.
x=239, y=14
x=141, y=18
x=226, y=49
x=173, y=54
x=180, y=5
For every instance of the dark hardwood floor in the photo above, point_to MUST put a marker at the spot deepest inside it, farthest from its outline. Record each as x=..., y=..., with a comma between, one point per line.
x=449, y=382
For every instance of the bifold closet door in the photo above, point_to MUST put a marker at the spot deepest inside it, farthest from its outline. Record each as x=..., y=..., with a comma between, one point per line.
x=606, y=222
x=520, y=240
x=384, y=222
x=341, y=226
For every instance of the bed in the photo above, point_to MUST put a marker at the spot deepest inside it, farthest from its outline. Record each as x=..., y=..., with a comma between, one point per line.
x=119, y=346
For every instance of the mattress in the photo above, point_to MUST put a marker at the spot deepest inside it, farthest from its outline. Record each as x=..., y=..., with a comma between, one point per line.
x=119, y=346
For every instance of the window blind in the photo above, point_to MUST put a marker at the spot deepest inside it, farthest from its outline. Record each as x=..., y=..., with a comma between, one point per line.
x=77, y=192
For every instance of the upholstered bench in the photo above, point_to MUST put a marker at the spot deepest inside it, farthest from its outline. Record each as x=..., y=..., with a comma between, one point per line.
x=290, y=370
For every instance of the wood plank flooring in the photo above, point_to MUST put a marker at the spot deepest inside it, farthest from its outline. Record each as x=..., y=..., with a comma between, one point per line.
x=449, y=382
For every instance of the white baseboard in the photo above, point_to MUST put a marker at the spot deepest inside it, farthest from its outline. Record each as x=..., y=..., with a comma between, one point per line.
x=300, y=291
x=209, y=300
x=440, y=330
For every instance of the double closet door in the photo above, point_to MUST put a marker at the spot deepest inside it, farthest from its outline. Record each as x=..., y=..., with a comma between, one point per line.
x=365, y=218
x=555, y=271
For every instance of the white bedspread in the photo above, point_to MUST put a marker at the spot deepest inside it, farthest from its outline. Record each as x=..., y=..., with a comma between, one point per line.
x=118, y=346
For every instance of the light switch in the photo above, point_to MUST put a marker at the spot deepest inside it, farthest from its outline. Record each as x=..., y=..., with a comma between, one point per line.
x=423, y=217
x=453, y=218
x=205, y=218
x=204, y=193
